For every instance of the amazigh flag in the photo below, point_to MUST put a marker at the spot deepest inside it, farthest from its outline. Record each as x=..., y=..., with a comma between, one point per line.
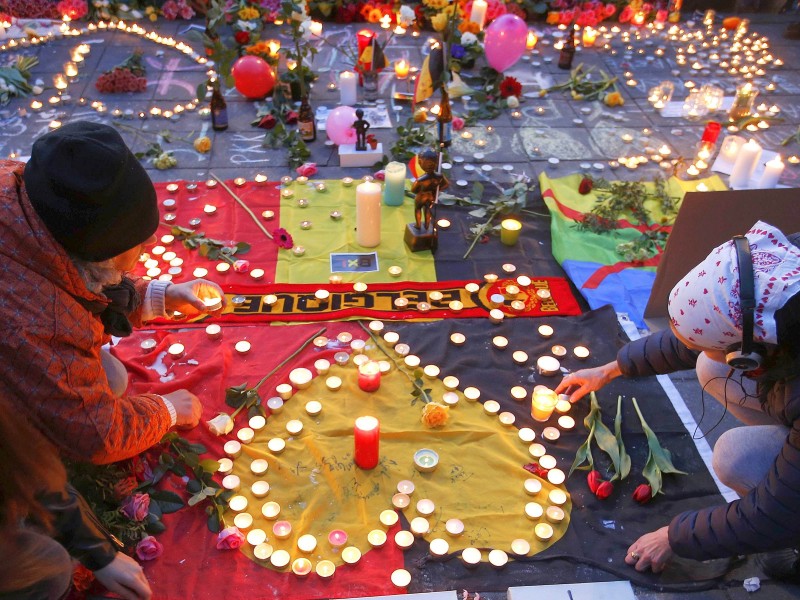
x=430, y=75
x=373, y=58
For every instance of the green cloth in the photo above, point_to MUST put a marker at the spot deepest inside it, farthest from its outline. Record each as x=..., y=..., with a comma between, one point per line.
x=327, y=236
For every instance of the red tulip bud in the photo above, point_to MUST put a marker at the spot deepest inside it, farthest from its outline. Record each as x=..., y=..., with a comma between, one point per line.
x=643, y=494
x=267, y=122
x=604, y=490
x=585, y=186
x=594, y=479
x=291, y=117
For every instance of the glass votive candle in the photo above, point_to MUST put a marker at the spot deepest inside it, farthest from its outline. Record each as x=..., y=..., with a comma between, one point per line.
x=543, y=403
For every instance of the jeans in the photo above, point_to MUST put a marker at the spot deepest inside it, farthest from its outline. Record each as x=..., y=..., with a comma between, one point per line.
x=743, y=455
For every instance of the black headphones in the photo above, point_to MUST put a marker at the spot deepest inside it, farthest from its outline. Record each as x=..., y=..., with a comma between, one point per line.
x=747, y=355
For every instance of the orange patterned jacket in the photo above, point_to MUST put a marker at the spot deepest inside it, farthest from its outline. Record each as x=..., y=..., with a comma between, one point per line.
x=50, y=344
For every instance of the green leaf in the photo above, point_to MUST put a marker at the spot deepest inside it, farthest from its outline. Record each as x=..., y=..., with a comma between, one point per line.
x=168, y=501
x=605, y=439
x=153, y=525
x=213, y=522
x=242, y=248
x=477, y=191
x=624, y=458
x=193, y=486
x=584, y=454
x=209, y=465
x=155, y=508
x=202, y=91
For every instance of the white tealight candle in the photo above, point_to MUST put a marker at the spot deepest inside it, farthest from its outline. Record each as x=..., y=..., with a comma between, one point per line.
x=498, y=559
x=313, y=408
x=333, y=383
x=491, y=407
x=276, y=445
x=306, y=543
x=284, y=390
x=242, y=347
x=526, y=435
x=547, y=461
x=548, y=366
x=520, y=357
x=519, y=393
x=405, y=487
x=419, y=526
x=532, y=486
x=471, y=557
x=237, y=503
x=581, y=352
x=176, y=350
x=557, y=497
x=566, y=422
x=259, y=466
x=231, y=482
x=259, y=489
x=294, y=426
x=438, y=548
x=556, y=476
x=271, y=510
x=520, y=547
x=450, y=382
x=376, y=538
x=458, y=339
x=450, y=398
x=245, y=435
x=500, y=342
x=243, y=521
x=404, y=539
x=401, y=578
x=232, y=448
x=551, y=434
x=300, y=378
x=472, y=394
x=506, y=418
x=256, y=537
x=225, y=465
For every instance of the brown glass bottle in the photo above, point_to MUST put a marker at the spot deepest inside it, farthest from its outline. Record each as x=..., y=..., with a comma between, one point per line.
x=305, y=121
x=445, y=121
x=219, y=110
x=568, y=50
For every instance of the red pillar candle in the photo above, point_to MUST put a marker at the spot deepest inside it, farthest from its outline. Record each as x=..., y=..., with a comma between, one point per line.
x=367, y=441
x=369, y=376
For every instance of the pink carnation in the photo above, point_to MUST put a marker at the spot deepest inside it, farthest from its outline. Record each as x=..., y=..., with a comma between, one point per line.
x=149, y=548
x=170, y=10
x=136, y=507
x=230, y=538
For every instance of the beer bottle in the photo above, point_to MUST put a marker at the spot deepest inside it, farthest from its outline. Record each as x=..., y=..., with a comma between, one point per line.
x=567, y=50
x=445, y=121
x=219, y=109
x=305, y=121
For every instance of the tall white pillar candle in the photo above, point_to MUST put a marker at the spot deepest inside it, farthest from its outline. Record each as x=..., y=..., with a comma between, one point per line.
x=745, y=164
x=348, y=86
x=478, y=14
x=772, y=173
x=368, y=214
x=394, y=184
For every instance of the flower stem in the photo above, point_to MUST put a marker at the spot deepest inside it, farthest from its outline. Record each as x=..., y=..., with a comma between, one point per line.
x=243, y=205
x=290, y=357
x=391, y=358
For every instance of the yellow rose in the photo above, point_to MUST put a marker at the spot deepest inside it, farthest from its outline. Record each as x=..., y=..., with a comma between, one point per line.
x=202, y=144
x=435, y=415
x=614, y=99
x=248, y=13
x=439, y=21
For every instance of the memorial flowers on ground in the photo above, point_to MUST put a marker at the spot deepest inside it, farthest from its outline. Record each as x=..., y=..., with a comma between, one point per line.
x=583, y=84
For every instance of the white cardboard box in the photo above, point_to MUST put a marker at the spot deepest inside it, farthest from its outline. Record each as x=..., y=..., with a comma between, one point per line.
x=607, y=590
x=350, y=157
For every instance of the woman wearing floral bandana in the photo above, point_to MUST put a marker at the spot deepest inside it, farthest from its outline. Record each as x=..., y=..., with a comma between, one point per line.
x=761, y=461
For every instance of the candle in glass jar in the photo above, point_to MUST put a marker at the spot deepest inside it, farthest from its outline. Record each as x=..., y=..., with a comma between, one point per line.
x=369, y=376
x=509, y=229
x=368, y=214
x=367, y=442
x=348, y=94
x=394, y=184
x=401, y=68
x=543, y=402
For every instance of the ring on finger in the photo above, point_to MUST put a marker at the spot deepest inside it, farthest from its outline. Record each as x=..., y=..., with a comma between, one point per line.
x=634, y=555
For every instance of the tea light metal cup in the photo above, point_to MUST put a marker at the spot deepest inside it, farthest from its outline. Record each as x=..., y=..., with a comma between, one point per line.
x=426, y=460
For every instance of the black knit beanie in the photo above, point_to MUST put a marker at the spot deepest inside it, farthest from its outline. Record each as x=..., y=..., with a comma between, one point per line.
x=91, y=191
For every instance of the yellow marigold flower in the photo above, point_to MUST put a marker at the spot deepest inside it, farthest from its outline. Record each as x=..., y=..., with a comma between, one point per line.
x=375, y=15
x=247, y=13
x=439, y=21
x=576, y=95
x=435, y=415
x=202, y=144
x=614, y=99
x=553, y=18
x=153, y=17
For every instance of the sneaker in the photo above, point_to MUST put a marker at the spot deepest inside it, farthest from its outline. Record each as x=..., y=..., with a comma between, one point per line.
x=792, y=31
x=781, y=565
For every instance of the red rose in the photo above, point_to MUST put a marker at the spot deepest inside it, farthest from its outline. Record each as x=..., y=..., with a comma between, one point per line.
x=82, y=578
x=585, y=186
x=594, y=479
x=267, y=122
x=242, y=37
x=604, y=490
x=149, y=548
x=643, y=493
x=241, y=266
x=136, y=507
x=291, y=117
x=229, y=538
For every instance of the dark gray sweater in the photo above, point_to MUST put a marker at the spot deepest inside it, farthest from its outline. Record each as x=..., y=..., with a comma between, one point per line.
x=767, y=517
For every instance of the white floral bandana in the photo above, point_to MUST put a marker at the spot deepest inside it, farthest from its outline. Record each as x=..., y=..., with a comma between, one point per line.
x=704, y=306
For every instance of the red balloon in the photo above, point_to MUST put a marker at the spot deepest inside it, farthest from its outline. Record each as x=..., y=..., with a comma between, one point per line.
x=253, y=77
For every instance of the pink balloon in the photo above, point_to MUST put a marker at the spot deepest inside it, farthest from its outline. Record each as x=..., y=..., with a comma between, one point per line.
x=504, y=41
x=339, y=125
